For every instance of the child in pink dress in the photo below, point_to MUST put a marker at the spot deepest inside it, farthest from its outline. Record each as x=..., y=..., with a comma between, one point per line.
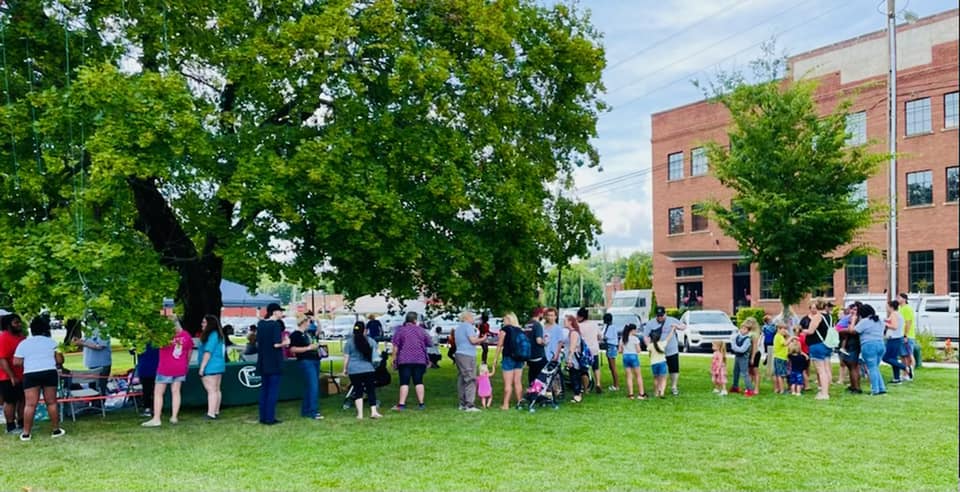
x=484, y=388
x=718, y=367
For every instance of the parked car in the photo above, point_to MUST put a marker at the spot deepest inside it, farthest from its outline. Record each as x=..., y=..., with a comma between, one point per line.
x=342, y=326
x=703, y=327
x=937, y=315
x=621, y=320
x=443, y=325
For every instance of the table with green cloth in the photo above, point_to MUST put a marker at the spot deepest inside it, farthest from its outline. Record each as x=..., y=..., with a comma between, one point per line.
x=240, y=385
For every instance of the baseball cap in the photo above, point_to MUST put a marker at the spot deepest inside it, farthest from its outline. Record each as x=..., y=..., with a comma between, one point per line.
x=661, y=311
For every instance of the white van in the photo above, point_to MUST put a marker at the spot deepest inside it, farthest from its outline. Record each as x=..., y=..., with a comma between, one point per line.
x=937, y=315
x=632, y=301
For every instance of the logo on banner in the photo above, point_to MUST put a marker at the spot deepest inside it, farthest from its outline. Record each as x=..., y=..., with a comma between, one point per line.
x=248, y=377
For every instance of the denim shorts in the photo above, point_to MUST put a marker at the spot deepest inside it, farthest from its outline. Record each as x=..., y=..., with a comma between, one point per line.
x=906, y=349
x=161, y=379
x=659, y=369
x=820, y=351
x=612, y=351
x=631, y=361
x=779, y=367
x=795, y=378
x=508, y=364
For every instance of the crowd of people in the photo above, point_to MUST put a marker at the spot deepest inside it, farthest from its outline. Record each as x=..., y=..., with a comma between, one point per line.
x=29, y=367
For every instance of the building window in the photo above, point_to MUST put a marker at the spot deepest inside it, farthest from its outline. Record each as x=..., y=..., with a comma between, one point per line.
x=825, y=289
x=857, y=128
x=689, y=294
x=696, y=271
x=953, y=183
x=698, y=161
x=766, y=286
x=953, y=270
x=859, y=194
x=918, y=116
x=919, y=188
x=676, y=220
x=920, y=265
x=698, y=219
x=857, y=278
x=950, y=116
x=675, y=166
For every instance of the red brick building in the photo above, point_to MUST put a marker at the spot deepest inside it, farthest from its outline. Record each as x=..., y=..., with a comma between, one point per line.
x=695, y=263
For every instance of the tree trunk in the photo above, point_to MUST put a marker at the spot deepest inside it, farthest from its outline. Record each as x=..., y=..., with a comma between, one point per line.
x=200, y=274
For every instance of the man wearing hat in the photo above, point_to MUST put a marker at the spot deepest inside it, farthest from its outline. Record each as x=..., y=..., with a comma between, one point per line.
x=270, y=344
x=671, y=347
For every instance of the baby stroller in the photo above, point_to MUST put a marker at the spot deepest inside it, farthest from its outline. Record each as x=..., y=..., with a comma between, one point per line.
x=546, y=389
x=381, y=377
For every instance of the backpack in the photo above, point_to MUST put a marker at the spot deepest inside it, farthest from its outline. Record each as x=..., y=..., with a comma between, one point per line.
x=739, y=340
x=833, y=337
x=585, y=358
x=769, y=331
x=520, y=346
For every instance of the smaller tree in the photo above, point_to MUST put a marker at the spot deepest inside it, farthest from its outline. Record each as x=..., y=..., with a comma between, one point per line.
x=794, y=211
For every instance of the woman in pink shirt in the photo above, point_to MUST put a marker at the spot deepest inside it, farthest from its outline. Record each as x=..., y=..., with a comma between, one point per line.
x=172, y=370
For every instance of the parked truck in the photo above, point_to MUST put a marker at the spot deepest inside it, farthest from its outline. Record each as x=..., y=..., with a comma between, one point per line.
x=632, y=301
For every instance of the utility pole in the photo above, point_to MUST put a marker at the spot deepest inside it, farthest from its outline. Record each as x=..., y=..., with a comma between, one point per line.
x=581, y=290
x=892, y=253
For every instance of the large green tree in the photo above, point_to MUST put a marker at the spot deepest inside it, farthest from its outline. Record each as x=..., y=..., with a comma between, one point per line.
x=151, y=148
x=572, y=279
x=795, y=211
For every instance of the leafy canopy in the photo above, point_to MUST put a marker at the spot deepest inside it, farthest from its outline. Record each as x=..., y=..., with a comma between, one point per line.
x=795, y=212
x=407, y=147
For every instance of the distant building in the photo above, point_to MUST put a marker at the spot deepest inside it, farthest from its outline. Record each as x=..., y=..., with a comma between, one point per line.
x=692, y=257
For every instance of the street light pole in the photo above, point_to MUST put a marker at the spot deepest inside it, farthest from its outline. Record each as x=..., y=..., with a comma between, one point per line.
x=892, y=253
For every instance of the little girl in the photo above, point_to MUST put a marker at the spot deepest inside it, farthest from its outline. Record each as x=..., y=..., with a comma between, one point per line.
x=718, y=367
x=658, y=362
x=630, y=348
x=484, y=389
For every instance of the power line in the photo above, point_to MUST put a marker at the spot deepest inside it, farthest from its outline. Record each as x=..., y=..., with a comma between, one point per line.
x=686, y=77
x=718, y=13
x=717, y=43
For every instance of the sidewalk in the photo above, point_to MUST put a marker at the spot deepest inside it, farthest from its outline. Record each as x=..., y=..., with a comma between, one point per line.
x=932, y=365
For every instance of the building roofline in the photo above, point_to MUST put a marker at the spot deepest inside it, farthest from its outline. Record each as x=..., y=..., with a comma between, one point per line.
x=875, y=35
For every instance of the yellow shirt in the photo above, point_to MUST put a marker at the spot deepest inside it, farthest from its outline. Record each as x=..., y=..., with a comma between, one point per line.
x=780, y=347
x=909, y=320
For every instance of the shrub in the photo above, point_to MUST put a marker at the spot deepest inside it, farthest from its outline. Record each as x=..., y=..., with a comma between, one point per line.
x=653, y=306
x=928, y=351
x=755, y=313
x=675, y=312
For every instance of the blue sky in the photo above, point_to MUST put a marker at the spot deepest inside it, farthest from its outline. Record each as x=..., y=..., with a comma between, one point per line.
x=654, y=49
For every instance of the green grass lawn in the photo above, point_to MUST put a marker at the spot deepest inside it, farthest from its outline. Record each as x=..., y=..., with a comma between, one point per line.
x=905, y=441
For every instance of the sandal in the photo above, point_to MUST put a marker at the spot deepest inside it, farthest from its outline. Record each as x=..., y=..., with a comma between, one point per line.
x=642, y=396
x=630, y=396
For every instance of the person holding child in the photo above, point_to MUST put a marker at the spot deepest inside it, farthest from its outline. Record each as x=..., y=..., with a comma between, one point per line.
x=718, y=367
x=658, y=359
x=667, y=324
x=630, y=348
x=895, y=345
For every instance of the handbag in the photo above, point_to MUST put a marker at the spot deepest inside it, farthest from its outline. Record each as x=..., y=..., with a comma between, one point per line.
x=603, y=343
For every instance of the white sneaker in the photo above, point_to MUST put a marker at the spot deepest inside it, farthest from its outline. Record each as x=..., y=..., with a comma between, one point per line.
x=151, y=423
x=472, y=409
x=723, y=392
x=715, y=390
x=58, y=433
x=613, y=388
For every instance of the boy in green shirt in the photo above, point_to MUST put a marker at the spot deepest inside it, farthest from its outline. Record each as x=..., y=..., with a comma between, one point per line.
x=910, y=334
x=780, y=353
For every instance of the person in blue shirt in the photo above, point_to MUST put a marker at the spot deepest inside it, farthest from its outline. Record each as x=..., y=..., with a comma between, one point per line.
x=212, y=363
x=97, y=356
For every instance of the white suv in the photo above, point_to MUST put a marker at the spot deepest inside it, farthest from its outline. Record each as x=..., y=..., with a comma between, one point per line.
x=703, y=327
